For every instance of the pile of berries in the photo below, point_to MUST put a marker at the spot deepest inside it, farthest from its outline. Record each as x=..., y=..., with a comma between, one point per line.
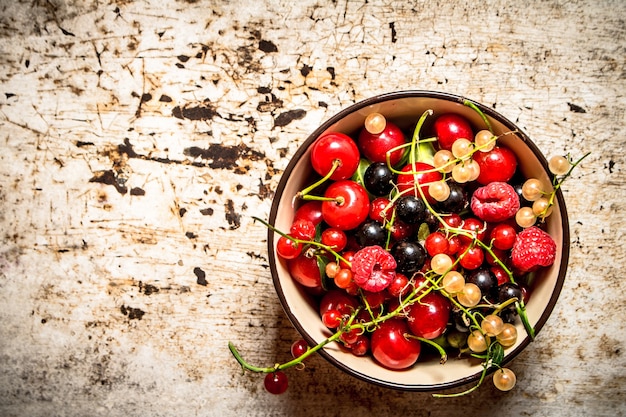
x=429, y=241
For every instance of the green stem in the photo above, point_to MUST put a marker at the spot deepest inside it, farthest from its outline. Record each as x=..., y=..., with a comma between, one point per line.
x=304, y=242
x=442, y=351
x=482, y=115
x=336, y=164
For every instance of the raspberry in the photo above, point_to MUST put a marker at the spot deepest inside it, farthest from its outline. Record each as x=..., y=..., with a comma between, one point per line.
x=374, y=268
x=533, y=248
x=495, y=202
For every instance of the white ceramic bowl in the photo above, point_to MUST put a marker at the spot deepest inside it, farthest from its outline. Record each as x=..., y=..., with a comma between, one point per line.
x=404, y=108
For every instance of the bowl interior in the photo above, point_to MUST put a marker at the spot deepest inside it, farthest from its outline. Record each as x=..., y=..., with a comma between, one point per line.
x=404, y=109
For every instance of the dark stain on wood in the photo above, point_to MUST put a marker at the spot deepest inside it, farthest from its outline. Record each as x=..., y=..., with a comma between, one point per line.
x=204, y=111
x=267, y=46
x=109, y=177
x=224, y=156
x=232, y=217
x=132, y=313
x=576, y=108
x=289, y=116
x=200, y=276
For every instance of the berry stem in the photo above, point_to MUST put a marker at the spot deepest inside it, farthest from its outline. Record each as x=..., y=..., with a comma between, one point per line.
x=442, y=351
x=305, y=242
x=474, y=107
x=306, y=191
x=557, y=182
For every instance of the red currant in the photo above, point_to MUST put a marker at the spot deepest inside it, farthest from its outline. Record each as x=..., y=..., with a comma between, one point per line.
x=423, y=174
x=276, y=382
x=436, y=243
x=503, y=236
x=287, y=248
x=361, y=346
x=473, y=258
x=299, y=348
x=399, y=286
x=335, y=238
x=380, y=209
x=331, y=318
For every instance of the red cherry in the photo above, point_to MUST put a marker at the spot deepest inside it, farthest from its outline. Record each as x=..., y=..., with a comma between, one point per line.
x=311, y=210
x=338, y=300
x=472, y=224
x=497, y=165
x=335, y=146
x=423, y=173
x=449, y=127
x=305, y=271
x=350, y=205
x=429, y=317
x=376, y=146
x=391, y=348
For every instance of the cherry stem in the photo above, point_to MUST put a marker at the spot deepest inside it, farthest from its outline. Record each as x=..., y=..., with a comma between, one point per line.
x=306, y=191
x=477, y=110
x=442, y=351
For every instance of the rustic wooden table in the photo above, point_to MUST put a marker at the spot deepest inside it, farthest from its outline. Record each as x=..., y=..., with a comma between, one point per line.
x=138, y=139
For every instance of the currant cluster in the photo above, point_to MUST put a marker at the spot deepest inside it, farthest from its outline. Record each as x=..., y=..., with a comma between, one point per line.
x=419, y=242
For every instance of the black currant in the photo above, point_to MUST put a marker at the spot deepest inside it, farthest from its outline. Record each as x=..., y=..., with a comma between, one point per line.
x=411, y=209
x=456, y=201
x=486, y=281
x=522, y=201
x=378, y=179
x=509, y=290
x=371, y=233
x=460, y=320
x=410, y=256
x=508, y=314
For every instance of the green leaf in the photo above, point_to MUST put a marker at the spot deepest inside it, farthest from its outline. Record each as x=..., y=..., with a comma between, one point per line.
x=496, y=351
x=423, y=232
x=359, y=174
x=321, y=264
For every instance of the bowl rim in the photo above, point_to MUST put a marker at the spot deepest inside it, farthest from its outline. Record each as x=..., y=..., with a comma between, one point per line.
x=389, y=96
